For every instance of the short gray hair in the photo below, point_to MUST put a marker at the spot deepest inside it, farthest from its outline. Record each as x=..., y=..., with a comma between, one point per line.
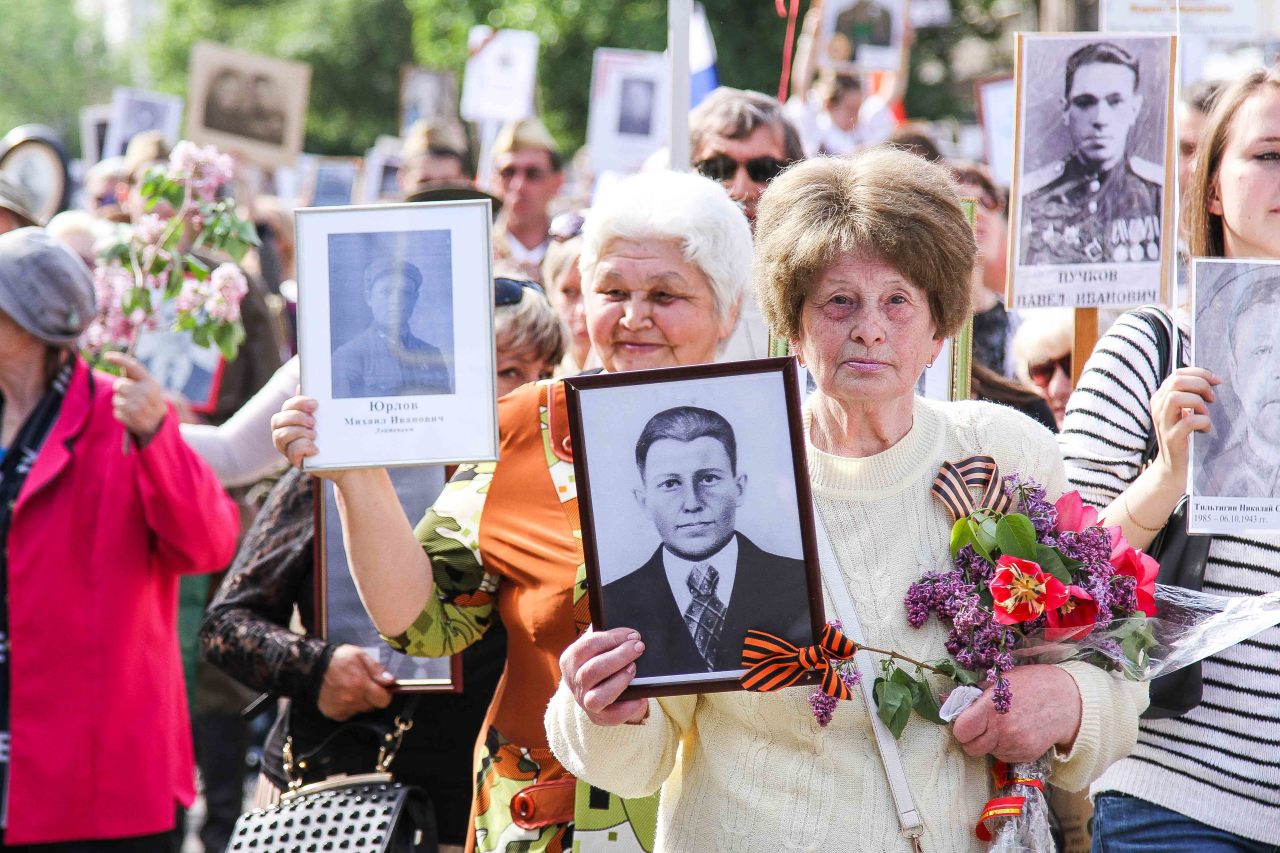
x=687, y=209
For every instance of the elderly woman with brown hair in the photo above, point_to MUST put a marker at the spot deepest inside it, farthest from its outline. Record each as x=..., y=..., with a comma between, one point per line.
x=864, y=264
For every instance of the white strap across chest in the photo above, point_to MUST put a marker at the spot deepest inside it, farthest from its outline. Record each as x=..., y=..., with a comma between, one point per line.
x=890, y=755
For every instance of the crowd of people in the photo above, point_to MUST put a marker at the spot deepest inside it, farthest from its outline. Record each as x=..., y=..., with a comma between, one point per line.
x=180, y=545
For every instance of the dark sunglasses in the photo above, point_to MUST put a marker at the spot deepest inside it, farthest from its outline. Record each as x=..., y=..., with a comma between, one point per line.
x=531, y=173
x=566, y=226
x=1042, y=374
x=723, y=168
x=509, y=291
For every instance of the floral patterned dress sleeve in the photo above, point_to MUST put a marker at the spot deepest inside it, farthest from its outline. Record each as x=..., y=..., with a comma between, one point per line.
x=461, y=607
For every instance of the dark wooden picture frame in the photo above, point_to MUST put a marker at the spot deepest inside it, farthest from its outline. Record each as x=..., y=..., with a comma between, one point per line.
x=329, y=538
x=654, y=395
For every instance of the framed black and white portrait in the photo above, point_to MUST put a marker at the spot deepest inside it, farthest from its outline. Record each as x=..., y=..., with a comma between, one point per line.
x=1235, y=468
x=1091, y=211
x=395, y=332
x=863, y=35
x=244, y=102
x=94, y=120
x=332, y=181
x=426, y=94
x=136, y=110
x=697, y=523
x=627, y=118
x=340, y=613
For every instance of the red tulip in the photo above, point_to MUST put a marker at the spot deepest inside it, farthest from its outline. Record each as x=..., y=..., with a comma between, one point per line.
x=1022, y=591
x=1073, y=514
x=1074, y=619
x=1133, y=563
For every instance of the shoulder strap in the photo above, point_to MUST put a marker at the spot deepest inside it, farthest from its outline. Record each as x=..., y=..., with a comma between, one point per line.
x=890, y=755
x=1163, y=328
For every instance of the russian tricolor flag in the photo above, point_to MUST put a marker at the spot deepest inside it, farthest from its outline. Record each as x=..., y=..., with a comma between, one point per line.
x=702, y=57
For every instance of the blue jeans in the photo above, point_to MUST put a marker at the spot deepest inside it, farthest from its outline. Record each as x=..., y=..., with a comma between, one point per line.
x=1124, y=824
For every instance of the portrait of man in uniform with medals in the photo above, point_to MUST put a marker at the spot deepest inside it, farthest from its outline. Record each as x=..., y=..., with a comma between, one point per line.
x=1101, y=203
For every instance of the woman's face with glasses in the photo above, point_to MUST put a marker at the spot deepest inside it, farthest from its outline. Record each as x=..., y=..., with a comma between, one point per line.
x=744, y=166
x=1052, y=379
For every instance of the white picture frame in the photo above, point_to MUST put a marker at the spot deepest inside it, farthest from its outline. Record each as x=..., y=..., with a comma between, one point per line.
x=1102, y=238
x=863, y=35
x=997, y=101
x=134, y=111
x=333, y=181
x=1233, y=478
x=628, y=114
x=1219, y=18
x=95, y=119
x=498, y=82
x=426, y=93
x=398, y=385
x=247, y=103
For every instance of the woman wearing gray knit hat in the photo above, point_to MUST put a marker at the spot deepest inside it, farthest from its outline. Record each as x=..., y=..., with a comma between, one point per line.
x=92, y=542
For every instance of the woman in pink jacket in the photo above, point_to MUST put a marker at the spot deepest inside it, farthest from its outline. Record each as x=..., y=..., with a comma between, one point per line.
x=102, y=507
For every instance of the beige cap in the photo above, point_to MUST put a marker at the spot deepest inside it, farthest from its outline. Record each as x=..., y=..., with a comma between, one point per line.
x=424, y=137
x=523, y=135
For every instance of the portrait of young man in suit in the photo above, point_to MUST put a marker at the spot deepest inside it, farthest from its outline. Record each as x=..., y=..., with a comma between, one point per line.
x=707, y=584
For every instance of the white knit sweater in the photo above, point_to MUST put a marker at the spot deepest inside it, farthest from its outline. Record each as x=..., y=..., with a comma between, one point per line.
x=1218, y=763
x=755, y=772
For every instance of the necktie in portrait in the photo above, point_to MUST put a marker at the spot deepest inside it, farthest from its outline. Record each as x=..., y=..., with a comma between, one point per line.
x=705, y=614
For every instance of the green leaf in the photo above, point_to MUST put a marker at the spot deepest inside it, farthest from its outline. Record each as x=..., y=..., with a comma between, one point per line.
x=960, y=536
x=200, y=334
x=174, y=285
x=1016, y=536
x=982, y=542
x=229, y=337
x=1051, y=561
x=926, y=703
x=893, y=704
x=956, y=672
x=197, y=268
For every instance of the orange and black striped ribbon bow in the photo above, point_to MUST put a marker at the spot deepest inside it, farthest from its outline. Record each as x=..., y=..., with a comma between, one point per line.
x=772, y=663
x=954, y=481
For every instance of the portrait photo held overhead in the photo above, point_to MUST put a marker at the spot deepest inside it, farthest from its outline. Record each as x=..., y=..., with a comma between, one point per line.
x=696, y=517
x=1091, y=221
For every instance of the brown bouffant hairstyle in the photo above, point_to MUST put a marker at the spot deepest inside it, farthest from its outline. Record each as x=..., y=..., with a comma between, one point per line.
x=1204, y=229
x=882, y=204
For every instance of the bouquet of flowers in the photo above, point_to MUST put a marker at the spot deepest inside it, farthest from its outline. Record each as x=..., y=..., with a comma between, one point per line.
x=1030, y=580
x=157, y=264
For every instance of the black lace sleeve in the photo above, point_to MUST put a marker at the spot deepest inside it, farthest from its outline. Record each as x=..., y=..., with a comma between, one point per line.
x=245, y=630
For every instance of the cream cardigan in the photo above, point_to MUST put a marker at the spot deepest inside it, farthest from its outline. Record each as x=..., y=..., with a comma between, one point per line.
x=748, y=772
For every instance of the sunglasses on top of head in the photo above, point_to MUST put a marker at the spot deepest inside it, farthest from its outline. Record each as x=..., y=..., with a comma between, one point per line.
x=723, y=168
x=509, y=291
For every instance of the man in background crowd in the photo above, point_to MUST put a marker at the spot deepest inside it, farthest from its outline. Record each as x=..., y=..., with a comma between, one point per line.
x=434, y=156
x=529, y=175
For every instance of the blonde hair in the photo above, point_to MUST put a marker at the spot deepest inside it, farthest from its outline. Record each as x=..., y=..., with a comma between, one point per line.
x=1044, y=334
x=532, y=323
x=561, y=255
x=882, y=204
x=1204, y=229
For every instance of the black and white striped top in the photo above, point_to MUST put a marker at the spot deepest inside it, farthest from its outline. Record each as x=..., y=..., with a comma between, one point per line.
x=1220, y=762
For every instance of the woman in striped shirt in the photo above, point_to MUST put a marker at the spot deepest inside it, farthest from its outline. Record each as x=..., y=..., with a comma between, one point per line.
x=1208, y=780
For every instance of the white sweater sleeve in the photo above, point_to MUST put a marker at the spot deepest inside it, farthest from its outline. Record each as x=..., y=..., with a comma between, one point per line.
x=240, y=451
x=627, y=760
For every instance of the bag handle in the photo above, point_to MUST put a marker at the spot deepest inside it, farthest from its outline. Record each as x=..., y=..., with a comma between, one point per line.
x=1163, y=327
x=890, y=756
x=392, y=736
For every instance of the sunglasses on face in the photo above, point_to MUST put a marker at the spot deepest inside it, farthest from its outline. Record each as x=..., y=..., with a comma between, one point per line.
x=1044, y=372
x=566, y=226
x=724, y=168
x=509, y=291
x=531, y=173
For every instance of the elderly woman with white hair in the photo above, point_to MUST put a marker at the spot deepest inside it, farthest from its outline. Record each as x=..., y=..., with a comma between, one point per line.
x=664, y=260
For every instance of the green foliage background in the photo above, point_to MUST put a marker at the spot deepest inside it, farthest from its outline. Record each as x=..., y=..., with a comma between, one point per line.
x=55, y=62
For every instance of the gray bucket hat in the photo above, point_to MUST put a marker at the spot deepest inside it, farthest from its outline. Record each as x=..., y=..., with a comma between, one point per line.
x=15, y=198
x=44, y=287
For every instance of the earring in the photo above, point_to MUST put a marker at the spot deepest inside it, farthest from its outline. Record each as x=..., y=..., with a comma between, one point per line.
x=928, y=365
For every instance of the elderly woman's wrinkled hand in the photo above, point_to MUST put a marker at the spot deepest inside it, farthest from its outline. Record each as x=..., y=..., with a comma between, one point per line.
x=353, y=683
x=1046, y=713
x=137, y=400
x=1180, y=407
x=293, y=429
x=597, y=667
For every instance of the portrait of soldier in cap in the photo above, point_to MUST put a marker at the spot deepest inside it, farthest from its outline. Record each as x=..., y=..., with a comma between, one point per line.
x=1101, y=203
x=387, y=359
